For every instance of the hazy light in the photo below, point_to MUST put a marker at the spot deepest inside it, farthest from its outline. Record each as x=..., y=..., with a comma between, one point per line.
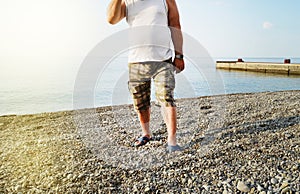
x=267, y=25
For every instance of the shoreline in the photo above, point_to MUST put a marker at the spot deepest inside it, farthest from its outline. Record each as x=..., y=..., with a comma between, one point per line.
x=246, y=142
x=152, y=102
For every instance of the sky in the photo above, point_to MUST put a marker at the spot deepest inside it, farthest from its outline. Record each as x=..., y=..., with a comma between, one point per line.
x=39, y=35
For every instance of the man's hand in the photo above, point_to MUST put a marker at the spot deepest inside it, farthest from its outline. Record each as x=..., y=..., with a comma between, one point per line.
x=179, y=64
x=177, y=39
x=116, y=11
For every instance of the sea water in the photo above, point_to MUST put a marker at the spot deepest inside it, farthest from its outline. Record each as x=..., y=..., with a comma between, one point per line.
x=53, y=89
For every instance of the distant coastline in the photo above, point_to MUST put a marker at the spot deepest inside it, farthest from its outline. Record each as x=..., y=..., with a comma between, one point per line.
x=285, y=67
x=259, y=59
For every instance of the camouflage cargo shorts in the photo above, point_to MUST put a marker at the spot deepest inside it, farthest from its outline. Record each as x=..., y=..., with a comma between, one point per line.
x=140, y=76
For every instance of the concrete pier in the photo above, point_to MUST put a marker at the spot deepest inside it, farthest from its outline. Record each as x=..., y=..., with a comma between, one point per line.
x=281, y=68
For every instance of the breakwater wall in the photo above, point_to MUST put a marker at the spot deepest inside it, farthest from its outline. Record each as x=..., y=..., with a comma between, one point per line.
x=266, y=67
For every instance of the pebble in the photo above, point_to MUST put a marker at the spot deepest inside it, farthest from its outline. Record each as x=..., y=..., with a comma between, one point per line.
x=289, y=177
x=105, y=122
x=190, y=182
x=285, y=190
x=295, y=167
x=225, y=192
x=274, y=181
x=206, y=187
x=18, y=187
x=259, y=188
x=147, y=189
x=70, y=176
x=284, y=185
x=241, y=186
x=135, y=189
x=252, y=190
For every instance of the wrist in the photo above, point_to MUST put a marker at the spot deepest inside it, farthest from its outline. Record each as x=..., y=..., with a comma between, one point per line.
x=179, y=56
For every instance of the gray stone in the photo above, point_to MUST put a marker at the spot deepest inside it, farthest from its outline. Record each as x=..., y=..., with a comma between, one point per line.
x=241, y=186
x=274, y=181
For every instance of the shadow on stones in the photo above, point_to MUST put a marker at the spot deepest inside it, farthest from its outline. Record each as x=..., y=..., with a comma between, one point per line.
x=246, y=128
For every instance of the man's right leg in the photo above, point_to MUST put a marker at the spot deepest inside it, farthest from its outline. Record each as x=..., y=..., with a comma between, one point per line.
x=141, y=99
x=140, y=89
x=144, y=117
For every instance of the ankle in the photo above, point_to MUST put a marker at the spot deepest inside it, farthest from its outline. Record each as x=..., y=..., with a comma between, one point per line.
x=172, y=141
x=147, y=135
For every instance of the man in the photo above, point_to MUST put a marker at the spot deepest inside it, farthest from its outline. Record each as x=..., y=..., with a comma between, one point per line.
x=151, y=58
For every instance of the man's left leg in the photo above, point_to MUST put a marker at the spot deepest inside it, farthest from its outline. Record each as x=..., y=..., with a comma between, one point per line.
x=170, y=117
x=165, y=84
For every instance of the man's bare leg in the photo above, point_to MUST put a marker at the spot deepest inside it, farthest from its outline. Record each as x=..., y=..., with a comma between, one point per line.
x=170, y=118
x=144, y=117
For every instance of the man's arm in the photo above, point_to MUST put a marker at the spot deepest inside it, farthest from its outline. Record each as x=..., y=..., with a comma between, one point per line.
x=175, y=27
x=116, y=11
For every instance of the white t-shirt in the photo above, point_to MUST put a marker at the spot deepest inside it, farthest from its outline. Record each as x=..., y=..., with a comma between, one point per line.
x=149, y=34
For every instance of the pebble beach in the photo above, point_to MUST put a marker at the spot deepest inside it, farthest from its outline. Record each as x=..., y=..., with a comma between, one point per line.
x=235, y=143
